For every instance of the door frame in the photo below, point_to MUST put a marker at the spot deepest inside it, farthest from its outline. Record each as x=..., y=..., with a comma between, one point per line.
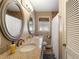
x=62, y=32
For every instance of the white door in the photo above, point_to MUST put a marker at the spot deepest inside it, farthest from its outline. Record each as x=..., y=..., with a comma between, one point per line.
x=55, y=36
x=72, y=28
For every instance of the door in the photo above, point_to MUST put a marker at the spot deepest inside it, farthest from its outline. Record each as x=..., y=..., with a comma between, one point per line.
x=55, y=36
x=72, y=29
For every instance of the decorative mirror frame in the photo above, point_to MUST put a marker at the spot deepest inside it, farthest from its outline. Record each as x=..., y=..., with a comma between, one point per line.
x=28, y=23
x=1, y=2
x=3, y=25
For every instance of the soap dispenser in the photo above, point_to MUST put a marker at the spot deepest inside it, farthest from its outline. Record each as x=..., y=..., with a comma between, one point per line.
x=12, y=48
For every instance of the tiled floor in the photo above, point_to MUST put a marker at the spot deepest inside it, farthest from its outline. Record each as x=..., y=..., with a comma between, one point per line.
x=48, y=56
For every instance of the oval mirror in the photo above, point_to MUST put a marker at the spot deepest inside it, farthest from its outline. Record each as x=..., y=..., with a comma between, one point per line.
x=12, y=21
x=30, y=25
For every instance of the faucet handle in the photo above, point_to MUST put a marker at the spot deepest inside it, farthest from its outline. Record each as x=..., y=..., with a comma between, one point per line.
x=20, y=42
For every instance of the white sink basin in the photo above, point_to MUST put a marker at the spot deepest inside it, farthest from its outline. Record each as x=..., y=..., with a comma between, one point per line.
x=28, y=48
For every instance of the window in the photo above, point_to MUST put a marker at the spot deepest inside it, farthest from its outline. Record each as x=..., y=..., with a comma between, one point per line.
x=44, y=24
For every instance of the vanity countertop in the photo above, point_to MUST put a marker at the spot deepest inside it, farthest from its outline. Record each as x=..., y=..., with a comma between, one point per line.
x=34, y=54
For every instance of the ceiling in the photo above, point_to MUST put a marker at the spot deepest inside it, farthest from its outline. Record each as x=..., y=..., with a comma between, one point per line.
x=13, y=7
x=45, y=5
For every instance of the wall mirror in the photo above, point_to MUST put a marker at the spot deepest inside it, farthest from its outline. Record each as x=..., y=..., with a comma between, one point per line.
x=30, y=25
x=12, y=21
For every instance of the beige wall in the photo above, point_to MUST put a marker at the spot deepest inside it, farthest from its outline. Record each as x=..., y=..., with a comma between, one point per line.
x=4, y=43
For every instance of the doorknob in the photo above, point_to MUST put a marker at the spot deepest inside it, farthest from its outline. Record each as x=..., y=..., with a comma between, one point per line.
x=64, y=45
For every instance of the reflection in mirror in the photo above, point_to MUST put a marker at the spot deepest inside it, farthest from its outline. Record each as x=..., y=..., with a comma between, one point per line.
x=44, y=25
x=31, y=26
x=13, y=22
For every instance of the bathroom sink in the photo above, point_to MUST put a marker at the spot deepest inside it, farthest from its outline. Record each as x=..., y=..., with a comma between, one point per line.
x=28, y=48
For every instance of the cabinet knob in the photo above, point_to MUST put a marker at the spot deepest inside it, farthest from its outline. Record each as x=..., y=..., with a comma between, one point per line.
x=64, y=45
